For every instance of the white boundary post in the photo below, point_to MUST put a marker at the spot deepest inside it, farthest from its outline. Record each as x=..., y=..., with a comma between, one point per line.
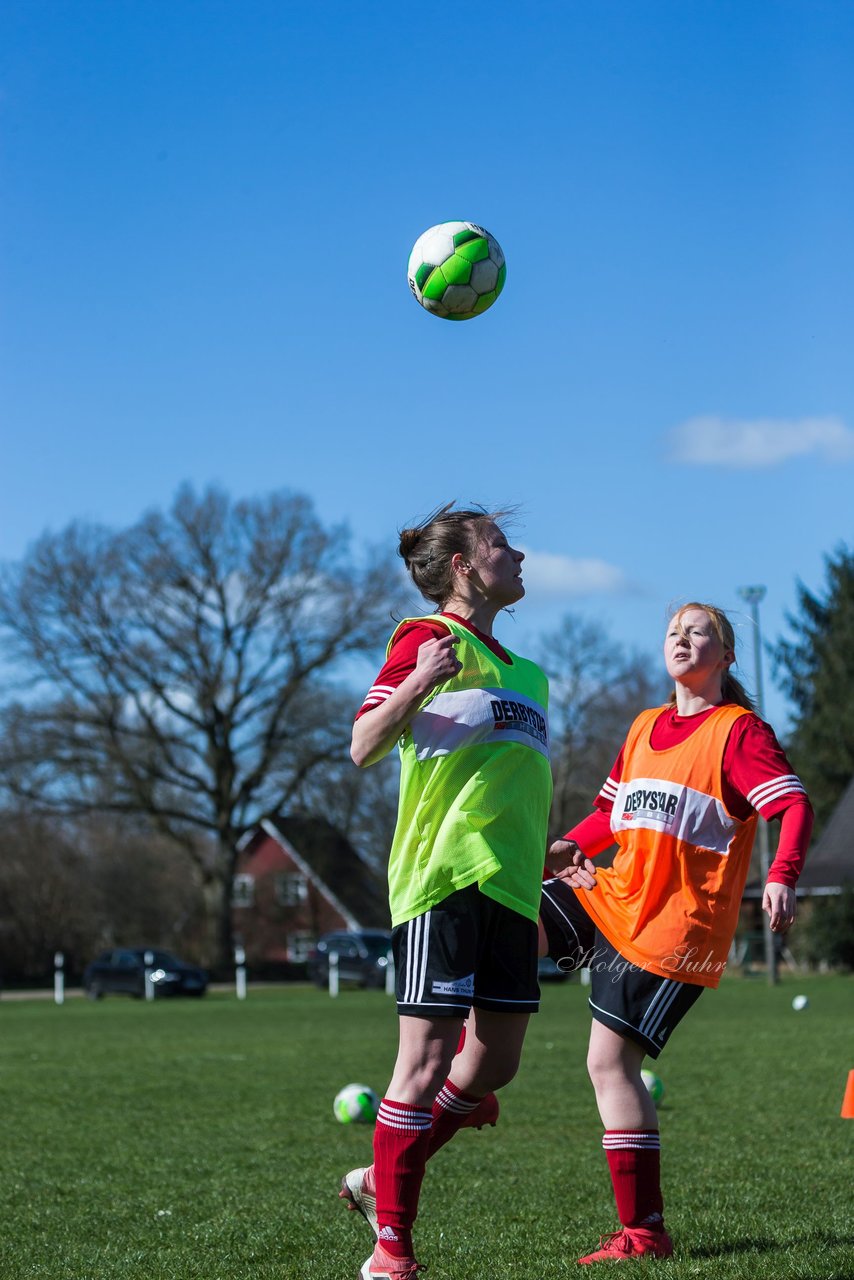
x=58, y=978
x=333, y=973
x=148, y=960
x=240, y=972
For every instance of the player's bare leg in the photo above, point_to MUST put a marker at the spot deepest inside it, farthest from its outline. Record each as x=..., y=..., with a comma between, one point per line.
x=632, y=1146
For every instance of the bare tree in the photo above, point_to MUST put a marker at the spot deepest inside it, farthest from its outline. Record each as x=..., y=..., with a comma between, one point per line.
x=178, y=669
x=362, y=803
x=48, y=901
x=596, y=689
x=77, y=885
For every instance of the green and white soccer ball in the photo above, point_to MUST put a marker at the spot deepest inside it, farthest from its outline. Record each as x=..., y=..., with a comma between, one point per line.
x=356, y=1104
x=456, y=270
x=654, y=1085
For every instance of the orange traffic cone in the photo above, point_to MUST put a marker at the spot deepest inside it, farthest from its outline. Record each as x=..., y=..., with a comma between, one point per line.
x=847, y=1112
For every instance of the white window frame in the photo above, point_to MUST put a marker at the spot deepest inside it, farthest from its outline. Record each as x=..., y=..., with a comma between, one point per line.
x=290, y=889
x=243, y=891
x=299, y=945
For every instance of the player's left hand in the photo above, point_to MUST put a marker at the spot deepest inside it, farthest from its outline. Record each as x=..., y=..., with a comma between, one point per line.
x=567, y=862
x=779, y=903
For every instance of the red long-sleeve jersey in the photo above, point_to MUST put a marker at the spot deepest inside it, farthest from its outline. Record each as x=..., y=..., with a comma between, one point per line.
x=756, y=776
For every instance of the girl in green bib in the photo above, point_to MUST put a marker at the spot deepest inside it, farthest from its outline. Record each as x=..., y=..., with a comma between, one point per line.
x=465, y=870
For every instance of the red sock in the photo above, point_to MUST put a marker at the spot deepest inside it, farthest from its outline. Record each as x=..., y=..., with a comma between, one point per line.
x=634, y=1159
x=401, y=1141
x=450, y=1109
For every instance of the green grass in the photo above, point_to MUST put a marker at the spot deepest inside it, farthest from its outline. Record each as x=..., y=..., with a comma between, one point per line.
x=195, y=1139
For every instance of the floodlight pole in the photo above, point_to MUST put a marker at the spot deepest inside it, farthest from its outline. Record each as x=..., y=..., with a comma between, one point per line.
x=753, y=596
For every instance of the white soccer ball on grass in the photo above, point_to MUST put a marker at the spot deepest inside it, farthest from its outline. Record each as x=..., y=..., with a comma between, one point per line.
x=356, y=1104
x=654, y=1085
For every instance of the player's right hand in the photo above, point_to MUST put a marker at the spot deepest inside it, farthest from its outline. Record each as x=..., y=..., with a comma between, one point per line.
x=437, y=661
x=568, y=863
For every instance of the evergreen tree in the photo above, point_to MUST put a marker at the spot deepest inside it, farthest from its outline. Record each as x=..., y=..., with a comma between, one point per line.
x=816, y=670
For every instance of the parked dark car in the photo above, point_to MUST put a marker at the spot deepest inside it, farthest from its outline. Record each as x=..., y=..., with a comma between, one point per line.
x=121, y=971
x=362, y=957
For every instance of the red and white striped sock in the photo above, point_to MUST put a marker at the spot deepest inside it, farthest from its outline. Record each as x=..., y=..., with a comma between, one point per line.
x=634, y=1160
x=450, y=1110
x=401, y=1142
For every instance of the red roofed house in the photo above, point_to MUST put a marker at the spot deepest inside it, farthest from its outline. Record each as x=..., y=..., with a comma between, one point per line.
x=297, y=878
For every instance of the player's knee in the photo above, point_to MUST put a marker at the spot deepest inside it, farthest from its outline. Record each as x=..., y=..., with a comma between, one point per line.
x=417, y=1082
x=488, y=1071
x=497, y=1076
x=488, y=1081
x=602, y=1066
x=421, y=1069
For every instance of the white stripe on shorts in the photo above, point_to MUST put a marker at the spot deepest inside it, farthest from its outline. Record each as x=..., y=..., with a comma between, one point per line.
x=659, y=1007
x=499, y=1000
x=411, y=927
x=555, y=905
x=417, y=948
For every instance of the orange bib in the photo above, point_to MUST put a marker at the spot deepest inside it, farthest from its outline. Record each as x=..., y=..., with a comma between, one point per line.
x=670, y=901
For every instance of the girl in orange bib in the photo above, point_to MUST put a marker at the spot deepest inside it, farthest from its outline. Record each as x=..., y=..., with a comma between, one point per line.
x=682, y=804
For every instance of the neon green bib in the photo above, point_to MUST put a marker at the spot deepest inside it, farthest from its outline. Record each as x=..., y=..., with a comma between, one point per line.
x=475, y=786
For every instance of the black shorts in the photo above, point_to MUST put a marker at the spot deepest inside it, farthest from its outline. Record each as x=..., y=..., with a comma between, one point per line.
x=637, y=1004
x=467, y=950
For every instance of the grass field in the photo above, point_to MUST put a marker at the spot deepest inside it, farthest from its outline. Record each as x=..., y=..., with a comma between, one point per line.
x=194, y=1139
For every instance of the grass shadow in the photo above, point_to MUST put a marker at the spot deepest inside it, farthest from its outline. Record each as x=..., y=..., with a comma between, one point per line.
x=761, y=1244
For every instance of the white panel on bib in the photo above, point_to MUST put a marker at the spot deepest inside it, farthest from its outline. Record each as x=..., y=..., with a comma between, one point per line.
x=657, y=805
x=466, y=717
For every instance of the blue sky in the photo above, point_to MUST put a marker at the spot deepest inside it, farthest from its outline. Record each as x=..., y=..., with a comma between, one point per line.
x=207, y=214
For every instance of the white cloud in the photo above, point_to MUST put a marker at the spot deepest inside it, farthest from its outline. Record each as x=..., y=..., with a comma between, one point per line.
x=761, y=442
x=552, y=575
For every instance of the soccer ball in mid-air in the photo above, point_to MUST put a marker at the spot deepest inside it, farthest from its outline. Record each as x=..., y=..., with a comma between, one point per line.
x=799, y=1003
x=356, y=1104
x=456, y=270
x=654, y=1085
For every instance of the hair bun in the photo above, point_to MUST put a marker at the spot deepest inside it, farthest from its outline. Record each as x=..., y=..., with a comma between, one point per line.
x=409, y=539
